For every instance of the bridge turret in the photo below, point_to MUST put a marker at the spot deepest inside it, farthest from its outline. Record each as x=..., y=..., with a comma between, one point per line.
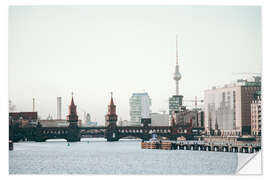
x=173, y=129
x=110, y=122
x=111, y=116
x=72, y=117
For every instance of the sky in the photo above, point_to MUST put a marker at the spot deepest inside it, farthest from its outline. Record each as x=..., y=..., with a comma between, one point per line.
x=94, y=50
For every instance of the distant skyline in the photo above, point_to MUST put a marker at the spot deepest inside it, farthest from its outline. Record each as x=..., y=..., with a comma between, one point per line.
x=95, y=50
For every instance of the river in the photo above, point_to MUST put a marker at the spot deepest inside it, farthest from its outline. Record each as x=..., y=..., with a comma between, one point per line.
x=96, y=156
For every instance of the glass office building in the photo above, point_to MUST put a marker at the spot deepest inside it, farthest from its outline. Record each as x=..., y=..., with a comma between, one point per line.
x=139, y=108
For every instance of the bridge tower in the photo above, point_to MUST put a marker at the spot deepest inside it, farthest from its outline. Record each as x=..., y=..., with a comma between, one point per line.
x=72, y=118
x=111, y=133
x=173, y=129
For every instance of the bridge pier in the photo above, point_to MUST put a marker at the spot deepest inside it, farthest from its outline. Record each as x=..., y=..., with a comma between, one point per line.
x=73, y=135
x=111, y=135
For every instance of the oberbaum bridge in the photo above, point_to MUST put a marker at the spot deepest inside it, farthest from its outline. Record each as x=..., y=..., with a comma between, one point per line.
x=73, y=132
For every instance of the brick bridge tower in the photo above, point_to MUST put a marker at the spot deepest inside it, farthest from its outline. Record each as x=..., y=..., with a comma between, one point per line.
x=173, y=129
x=111, y=133
x=72, y=118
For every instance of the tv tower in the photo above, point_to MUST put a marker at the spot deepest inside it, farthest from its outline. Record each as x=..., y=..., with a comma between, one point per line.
x=175, y=102
x=177, y=76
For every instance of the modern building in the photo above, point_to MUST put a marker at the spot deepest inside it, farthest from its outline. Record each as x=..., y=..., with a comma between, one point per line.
x=175, y=103
x=59, y=108
x=139, y=108
x=184, y=116
x=158, y=119
x=256, y=116
x=229, y=107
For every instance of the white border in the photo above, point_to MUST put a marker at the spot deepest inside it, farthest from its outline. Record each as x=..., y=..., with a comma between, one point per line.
x=4, y=78
x=136, y=2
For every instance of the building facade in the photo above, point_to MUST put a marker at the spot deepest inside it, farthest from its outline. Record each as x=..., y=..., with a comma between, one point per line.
x=140, y=104
x=229, y=107
x=158, y=119
x=185, y=116
x=175, y=103
x=23, y=119
x=256, y=117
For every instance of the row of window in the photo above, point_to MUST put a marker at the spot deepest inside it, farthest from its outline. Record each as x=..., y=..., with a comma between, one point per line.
x=55, y=132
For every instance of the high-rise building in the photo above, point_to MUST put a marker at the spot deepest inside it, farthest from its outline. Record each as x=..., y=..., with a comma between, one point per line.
x=158, y=119
x=139, y=108
x=175, y=102
x=256, y=115
x=228, y=107
x=59, y=107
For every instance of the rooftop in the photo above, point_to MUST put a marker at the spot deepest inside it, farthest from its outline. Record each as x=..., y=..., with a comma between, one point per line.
x=253, y=81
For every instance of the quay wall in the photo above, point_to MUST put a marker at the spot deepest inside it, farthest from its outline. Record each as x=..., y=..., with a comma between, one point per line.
x=238, y=147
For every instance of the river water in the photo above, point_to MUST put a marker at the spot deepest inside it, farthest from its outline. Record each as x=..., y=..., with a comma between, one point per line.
x=96, y=156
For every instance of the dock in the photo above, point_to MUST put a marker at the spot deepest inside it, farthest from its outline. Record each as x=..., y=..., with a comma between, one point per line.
x=202, y=146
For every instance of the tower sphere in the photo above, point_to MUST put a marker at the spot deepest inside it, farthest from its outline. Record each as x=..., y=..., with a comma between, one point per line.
x=177, y=76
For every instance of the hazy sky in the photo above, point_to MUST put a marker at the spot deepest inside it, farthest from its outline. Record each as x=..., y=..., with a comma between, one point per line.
x=93, y=50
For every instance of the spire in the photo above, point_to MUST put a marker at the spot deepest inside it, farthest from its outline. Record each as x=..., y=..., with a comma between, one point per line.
x=72, y=116
x=111, y=116
x=72, y=101
x=72, y=106
x=176, y=49
x=111, y=104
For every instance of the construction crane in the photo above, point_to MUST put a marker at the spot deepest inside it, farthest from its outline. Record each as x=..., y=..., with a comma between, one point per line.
x=256, y=76
x=245, y=73
x=195, y=101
